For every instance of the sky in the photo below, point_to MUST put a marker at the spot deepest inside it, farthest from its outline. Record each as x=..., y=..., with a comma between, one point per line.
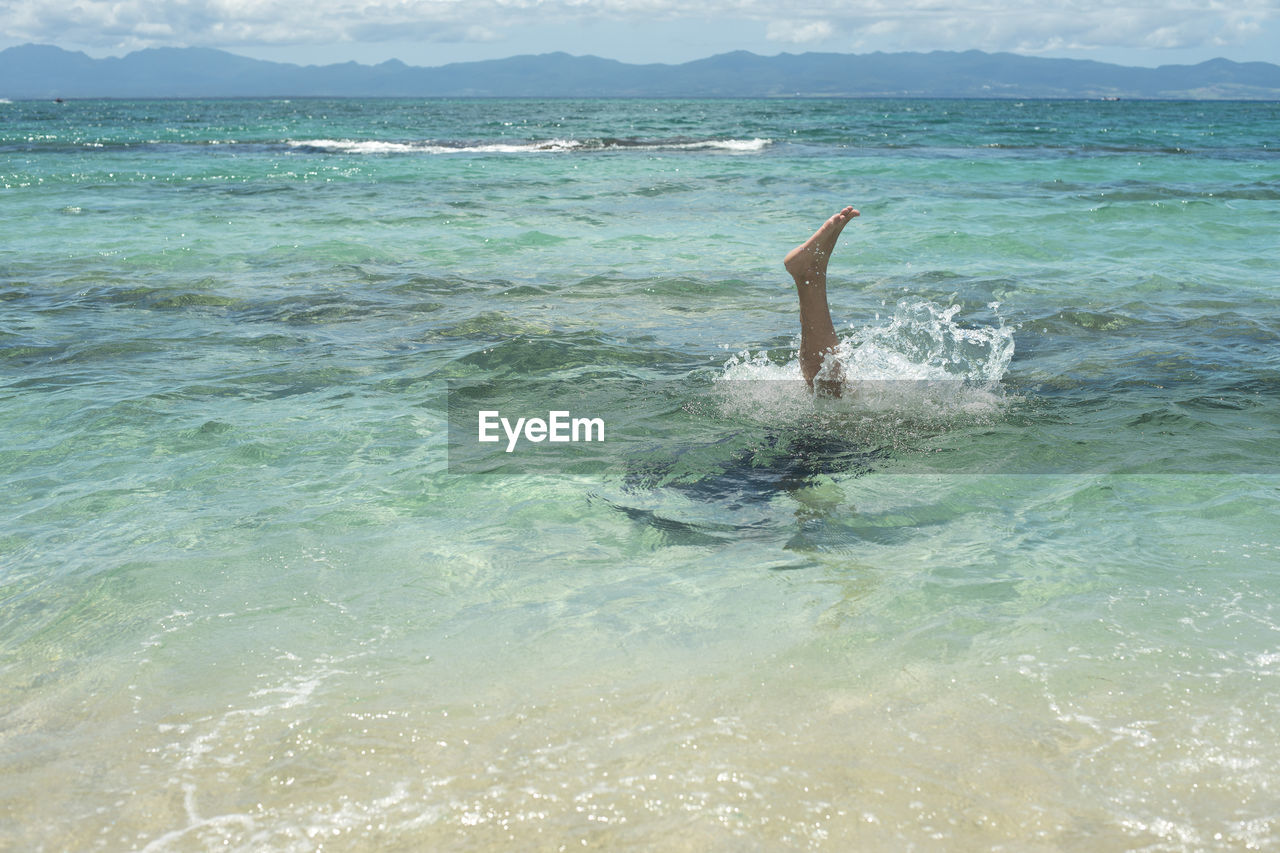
x=436, y=32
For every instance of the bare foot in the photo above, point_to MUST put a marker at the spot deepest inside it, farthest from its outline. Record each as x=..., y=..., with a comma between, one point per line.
x=808, y=261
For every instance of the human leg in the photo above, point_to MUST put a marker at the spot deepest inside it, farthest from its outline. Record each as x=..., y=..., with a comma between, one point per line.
x=807, y=264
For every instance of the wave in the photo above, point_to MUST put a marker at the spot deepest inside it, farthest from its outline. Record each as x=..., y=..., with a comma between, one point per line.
x=377, y=146
x=52, y=145
x=740, y=146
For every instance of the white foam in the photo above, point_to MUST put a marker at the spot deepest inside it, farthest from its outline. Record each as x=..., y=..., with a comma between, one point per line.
x=921, y=341
x=377, y=146
x=919, y=364
x=739, y=146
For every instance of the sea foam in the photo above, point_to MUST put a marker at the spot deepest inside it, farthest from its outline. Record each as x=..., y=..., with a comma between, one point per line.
x=920, y=365
x=378, y=146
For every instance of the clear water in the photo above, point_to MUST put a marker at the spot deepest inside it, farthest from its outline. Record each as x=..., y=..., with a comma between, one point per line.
x=246, y=602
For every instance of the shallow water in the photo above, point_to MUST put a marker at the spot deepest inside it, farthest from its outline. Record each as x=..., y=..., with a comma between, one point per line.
x=1014, y=590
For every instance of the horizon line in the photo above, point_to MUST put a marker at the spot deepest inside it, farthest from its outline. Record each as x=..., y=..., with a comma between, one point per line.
x=396, y=60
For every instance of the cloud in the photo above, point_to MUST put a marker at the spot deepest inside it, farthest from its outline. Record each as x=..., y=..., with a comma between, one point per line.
x=1079, y=26
x=1018, y=25
x=795, y=32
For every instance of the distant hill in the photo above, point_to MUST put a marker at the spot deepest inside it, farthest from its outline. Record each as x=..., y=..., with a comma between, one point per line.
x=42, y=71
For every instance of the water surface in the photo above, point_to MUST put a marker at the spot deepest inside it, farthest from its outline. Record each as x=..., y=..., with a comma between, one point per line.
x=1015, y=592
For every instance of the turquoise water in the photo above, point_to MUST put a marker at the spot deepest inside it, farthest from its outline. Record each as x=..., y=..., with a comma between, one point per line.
x=1015, y=589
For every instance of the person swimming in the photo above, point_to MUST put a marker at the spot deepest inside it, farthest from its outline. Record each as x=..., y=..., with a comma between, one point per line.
x=807, y=264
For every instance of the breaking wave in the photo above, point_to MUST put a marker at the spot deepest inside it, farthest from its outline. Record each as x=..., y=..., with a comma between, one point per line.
x=376, y=146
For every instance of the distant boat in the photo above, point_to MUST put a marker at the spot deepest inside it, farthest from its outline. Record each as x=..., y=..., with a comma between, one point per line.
x=1111, y=97
x=59, y=101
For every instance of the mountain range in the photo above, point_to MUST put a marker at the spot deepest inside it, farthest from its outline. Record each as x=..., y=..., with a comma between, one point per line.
x=43, y=71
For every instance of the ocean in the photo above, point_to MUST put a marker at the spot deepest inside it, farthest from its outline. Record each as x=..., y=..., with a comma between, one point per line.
x=262, y=587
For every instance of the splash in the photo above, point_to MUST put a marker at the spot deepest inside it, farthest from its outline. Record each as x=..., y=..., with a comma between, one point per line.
x=921, y=341
x=921, y=367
